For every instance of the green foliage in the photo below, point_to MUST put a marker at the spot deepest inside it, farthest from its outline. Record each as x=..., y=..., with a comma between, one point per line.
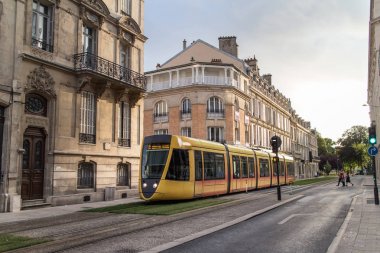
x=160, y=208
x=353, y=147
x=314, y=180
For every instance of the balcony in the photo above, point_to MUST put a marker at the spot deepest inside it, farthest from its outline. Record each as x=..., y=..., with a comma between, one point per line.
x=90, y=63
x=215, y=114
x=160, y=117
x=186, y=114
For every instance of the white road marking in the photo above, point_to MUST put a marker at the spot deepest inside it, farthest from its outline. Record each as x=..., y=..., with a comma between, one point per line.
x=292, y=216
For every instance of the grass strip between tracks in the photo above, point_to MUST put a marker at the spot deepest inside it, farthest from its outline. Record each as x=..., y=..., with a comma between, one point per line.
x=314, y=180
x=11, y=242
x=160, y=208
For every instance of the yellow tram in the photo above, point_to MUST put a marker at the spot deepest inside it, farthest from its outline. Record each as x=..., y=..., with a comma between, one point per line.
x=178, y=167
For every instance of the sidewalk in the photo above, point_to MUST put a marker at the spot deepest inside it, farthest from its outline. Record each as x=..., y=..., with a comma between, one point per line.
x=360, y=232
x=61, y=210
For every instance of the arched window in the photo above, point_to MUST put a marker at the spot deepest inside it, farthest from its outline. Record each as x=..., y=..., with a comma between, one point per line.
x=186, y=105
x=86, y=175
x=35, y=104
x=123, y=174
x=215, y=105
x=161, y=111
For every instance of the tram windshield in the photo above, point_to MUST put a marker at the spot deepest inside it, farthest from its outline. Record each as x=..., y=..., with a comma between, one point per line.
x=154, y=158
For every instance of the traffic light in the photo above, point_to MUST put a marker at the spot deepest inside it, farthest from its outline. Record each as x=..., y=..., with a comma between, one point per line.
x=275, y=142
x=372, y=135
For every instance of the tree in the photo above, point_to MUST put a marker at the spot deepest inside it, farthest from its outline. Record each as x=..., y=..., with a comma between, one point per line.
x=327, y=154
x=353, y=147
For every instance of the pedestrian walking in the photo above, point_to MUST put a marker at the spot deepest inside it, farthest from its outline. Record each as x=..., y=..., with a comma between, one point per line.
x=348, y=179
x=340, y=178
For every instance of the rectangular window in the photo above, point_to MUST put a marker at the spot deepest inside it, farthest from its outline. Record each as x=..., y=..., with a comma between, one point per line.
x=126, y=6
x=42, y=26
x=213, y=166
x=125, y=56
x=123, y=170
x=87, y=118
x=198, y=165
x=160, y=131
x=236, y=166
x=244, y=167
x=186, y=131
x=251, y=166
x=290, y=167
x=264, y=167
x=85, y=175
x=89, y=40
x=215, y=134
x=179, y=166
x=1, y=140
x=125, y=125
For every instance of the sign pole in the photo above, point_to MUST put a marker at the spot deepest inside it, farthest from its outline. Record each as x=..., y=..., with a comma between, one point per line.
x=375, y=190
x=278, y=178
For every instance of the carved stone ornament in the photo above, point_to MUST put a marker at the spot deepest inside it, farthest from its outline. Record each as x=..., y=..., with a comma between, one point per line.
x=129, y=24
x=98, y=6
x=127, y=37
x=39, y=79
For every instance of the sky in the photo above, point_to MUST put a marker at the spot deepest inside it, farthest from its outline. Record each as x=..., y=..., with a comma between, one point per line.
x=316, y=51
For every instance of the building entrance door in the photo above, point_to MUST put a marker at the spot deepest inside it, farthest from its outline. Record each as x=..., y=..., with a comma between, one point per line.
x=33, y=164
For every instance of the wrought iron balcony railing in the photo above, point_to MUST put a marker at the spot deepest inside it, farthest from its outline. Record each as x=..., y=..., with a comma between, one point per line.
x=94, y=63
x=42, y=45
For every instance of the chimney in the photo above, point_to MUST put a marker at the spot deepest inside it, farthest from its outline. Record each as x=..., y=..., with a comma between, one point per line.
x=184, y=44
x=228, y=45
x=268, y=77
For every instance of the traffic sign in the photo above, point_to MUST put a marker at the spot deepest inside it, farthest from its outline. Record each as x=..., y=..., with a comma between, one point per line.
x=372, y=151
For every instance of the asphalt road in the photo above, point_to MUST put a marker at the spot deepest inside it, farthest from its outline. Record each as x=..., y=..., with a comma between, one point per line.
x=307, y=225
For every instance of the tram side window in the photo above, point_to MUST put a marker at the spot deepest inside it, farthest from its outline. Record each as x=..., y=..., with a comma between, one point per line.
x=251, y=166
x=209, y=167
x=236, y=166
x=179, y=166
x=198, y=165
x=213, y=166
x=282, y=168
x=264, y=167
x=290, y=169
x=219, y=164
x=244, y=167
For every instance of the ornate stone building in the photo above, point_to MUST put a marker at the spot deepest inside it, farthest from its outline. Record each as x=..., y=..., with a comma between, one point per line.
x=71, y=84
x=209, y=93
x=373, y=97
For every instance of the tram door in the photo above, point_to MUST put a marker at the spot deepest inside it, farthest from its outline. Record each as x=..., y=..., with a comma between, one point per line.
x=198, y=167
x=235, y=173
x=33, y=164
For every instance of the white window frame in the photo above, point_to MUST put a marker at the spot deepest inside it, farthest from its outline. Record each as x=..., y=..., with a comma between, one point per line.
x=88, y=113
x=89, y=39
x=186, y=131
x=215, y=134
x=161, y=131
x=215, y=105
x=124, y=124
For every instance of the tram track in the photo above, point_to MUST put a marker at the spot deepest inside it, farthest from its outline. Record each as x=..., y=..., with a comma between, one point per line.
x=85, y=228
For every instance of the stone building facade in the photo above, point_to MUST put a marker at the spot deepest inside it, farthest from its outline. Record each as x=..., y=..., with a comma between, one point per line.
x=373, y=95
x=209, y=93
x=71, y=83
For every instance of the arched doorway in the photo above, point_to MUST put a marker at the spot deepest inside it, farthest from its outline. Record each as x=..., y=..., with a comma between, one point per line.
x=33, y=164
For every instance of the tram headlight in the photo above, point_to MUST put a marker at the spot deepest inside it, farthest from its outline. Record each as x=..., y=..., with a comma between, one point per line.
x=154, y=185
x=144, y=185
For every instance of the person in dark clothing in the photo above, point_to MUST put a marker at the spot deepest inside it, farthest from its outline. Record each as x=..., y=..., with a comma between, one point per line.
x=348, y=179
x=341, y=178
